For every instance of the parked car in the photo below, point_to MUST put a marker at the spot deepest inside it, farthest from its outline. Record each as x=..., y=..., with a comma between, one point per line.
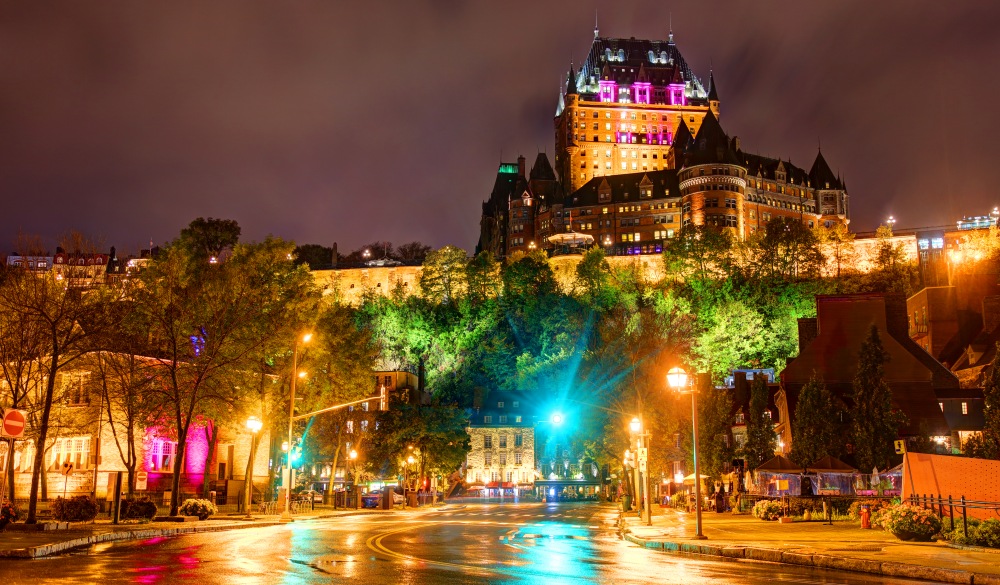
x=306, y=495
x=372, y=498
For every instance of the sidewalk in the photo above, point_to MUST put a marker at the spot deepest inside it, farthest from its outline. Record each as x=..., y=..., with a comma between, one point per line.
x=28, y=544
x=844, y=546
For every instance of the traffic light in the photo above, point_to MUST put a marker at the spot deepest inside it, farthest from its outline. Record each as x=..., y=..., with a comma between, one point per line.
x=383, y=399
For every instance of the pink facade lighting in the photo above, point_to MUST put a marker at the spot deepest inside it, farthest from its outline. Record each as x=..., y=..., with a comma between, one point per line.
x=642, y=90
x=607, y=90
x=677, y=94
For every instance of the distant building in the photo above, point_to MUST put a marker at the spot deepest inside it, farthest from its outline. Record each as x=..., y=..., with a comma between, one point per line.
x=501, y=461
x=640, y=153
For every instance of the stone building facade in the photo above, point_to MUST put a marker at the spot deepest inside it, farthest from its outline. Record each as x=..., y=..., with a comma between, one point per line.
x=502, y=455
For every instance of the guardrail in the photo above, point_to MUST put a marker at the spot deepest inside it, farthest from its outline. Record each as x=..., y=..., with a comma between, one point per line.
x=931, y=501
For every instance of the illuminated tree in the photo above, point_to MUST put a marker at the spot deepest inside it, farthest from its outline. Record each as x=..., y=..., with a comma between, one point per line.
x=444, y=279
x=875, y=423
x=66, y=321
x=760, y=444
x=209, y=322
x=815, y=431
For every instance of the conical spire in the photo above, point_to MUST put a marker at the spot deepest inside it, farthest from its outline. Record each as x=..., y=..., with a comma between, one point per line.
x=571, y=82
x=713, y=96
x=822, y=176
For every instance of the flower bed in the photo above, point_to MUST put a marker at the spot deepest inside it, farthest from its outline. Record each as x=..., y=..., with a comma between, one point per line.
x=907, y=522
x=767, y=510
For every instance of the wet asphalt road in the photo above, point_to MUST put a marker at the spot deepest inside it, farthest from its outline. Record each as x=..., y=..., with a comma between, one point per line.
x=478, y=543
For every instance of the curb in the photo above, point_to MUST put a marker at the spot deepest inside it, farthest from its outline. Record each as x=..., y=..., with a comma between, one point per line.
x=770, y=555
x=35, y=552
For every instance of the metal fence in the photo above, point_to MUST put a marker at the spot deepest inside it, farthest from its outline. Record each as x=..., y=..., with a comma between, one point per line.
x=938, y=503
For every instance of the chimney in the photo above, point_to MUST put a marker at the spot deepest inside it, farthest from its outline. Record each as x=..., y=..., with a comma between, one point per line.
x=896, y=319
x=991, y=313
x=520, y=166
x=808, y=330
x=741, y=390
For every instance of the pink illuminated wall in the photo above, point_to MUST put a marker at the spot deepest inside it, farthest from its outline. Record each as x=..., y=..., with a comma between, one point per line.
x=157, y=441
x=607, y=90
x=642, y=91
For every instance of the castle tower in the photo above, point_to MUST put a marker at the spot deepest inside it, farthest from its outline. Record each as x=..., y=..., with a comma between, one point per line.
x=712, y=180
x=621, y=109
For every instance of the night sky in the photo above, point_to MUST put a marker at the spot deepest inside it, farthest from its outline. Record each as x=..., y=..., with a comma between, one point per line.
x=350, y=122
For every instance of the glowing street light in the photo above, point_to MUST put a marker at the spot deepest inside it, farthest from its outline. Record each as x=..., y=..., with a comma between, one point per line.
x=890, y=222
x=557, y=418
x=677, y=380
x=286, y=516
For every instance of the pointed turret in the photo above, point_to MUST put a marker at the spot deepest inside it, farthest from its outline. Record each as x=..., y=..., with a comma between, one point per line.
x=711, y=145
x=821, y=176
x=571, y=82
x=713, y=94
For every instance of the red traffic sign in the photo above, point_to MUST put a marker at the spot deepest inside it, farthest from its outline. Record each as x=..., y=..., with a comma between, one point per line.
x=13, y=423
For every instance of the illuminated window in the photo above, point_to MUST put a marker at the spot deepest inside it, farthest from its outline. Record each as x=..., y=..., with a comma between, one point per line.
x=517, y=458
x=161, y=456
x=965, y=408
x=487, y=458
x=74, y=450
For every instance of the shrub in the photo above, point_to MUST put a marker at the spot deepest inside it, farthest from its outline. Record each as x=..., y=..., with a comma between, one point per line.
x=986, y=534
x=907, y=522
x=8, y=513
x=874, y=505
x=767, y=510
x=798, y=506
x=678, y=500
x=138, y=508
x=200, y=508
x=75, y=509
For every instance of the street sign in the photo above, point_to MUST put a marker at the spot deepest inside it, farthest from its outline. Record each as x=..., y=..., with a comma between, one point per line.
x=141, y=478
x=67, y=468
x=643, y=455
x=900, y=446
x=13, y=423
x=642, y=465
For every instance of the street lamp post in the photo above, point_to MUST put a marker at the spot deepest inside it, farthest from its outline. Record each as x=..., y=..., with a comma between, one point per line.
x=677, y=379
x=406, y=479
x=351, y=458
x=254, y=425
x=286, y=516
x=642, y=470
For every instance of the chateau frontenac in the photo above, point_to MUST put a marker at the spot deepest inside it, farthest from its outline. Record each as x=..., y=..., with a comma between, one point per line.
x=639, y=154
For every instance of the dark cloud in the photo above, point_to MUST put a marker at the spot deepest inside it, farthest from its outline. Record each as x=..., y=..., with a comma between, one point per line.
x=335, y=121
